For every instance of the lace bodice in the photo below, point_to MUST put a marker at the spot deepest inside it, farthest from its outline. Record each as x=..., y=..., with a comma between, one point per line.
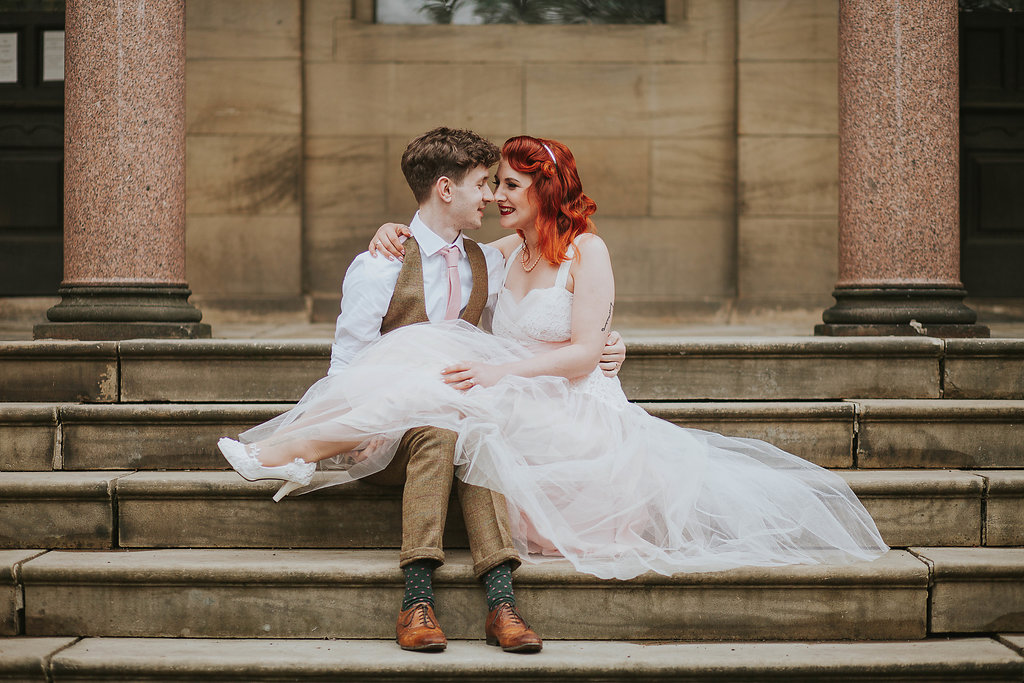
x=544, y=316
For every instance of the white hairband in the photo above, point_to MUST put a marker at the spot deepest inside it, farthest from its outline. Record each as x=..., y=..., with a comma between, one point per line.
x=550, y=154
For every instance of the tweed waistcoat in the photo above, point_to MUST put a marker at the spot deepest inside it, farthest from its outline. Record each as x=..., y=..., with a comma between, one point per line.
x=408, y=303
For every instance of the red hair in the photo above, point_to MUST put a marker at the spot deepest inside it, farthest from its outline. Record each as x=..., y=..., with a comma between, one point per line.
x=563, y=210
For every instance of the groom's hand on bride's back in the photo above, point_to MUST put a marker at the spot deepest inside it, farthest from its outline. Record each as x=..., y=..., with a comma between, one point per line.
x=613, y=355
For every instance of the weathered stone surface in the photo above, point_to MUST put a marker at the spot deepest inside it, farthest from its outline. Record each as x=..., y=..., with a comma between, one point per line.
x=678, y=259
x=976, y=589
x=788, y=29
x=58, y=371
x=922, y=508
x=244, y=175
x=10, y=588
x=232, y=29
x=247, y=257
x=218, y=370
x=1004, y=511
x=222, y=510
x=336, y=594
x=319, y=660
x=788, y=98
x=627, y=100
x=27, y=659
x=244, y=96
x=27, y=434
x=786, y=260
x=358, y=164
x=819, y=432
x=57, y=509
x=688, y=177
x=940, y=433
x=155, y=436
x=788, y=175
x=371, y=98
x=500, y=44
x=984, y=368
x=782, y=369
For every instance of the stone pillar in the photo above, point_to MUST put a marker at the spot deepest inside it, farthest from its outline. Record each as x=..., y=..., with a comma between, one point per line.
x=899, y=172
x=124, y=174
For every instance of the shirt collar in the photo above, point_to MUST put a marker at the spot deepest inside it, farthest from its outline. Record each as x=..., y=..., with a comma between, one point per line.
x=429, y=241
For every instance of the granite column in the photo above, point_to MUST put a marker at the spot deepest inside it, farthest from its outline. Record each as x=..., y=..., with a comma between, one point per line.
x=124, y=174
x=899, y=224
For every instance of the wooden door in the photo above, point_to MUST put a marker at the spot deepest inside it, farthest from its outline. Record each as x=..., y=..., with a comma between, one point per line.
x=992, y=149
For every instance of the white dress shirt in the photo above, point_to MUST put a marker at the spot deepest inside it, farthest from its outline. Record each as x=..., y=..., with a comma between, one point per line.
x=370, y=283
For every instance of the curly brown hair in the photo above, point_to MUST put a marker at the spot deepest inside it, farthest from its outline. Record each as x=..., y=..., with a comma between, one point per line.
x=444, y=152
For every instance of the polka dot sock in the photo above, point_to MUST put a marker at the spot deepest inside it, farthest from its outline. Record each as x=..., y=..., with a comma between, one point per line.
x=498, y=584
x=418, y=586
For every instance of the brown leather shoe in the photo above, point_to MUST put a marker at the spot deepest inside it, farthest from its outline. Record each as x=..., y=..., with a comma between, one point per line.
x=505, y=627
x=418, y=630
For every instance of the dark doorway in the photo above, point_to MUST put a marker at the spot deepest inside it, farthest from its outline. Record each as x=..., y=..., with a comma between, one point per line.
x=31, y=146
x=992, y=147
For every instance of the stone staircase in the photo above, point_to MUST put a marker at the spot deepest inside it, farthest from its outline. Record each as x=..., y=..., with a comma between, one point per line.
x=130, y=554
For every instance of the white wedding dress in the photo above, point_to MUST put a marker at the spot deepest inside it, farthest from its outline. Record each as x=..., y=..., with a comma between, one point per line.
x=588, y=476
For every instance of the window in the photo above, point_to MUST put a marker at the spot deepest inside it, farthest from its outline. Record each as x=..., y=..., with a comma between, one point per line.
x=520, y=11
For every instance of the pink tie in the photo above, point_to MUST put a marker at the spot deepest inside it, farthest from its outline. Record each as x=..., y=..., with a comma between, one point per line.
x=451, y=257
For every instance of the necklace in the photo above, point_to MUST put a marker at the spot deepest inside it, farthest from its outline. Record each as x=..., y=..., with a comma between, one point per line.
x=525, y=259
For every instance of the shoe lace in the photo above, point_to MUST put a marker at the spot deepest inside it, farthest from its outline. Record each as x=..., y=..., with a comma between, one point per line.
x=423, y=616
x=513, y=615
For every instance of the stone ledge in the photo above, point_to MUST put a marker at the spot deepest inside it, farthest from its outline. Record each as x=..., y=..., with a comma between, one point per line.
x=339, y=594
x=1004, y=511
x=984, y=368
x=319, y=660
x=154, y=436
x=10, y=588
x=220, y=509
x=27, y=436
x=975, y=589
x=922, y=507
x=57, y=509
x=819, y=431
x=940, y=433
x=28, y=659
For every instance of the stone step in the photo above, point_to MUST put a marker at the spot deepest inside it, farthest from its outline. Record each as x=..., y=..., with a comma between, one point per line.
x=354, y=594
x=11, y=596
x=975, y=589
x=867, y=433
x=180, y=659
x=221, y=510
x=796, y=368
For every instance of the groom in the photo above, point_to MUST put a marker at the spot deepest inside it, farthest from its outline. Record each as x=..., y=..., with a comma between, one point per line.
x=444, y=275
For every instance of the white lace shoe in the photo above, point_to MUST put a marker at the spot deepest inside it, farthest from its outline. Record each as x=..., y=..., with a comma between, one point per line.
x=244, y=461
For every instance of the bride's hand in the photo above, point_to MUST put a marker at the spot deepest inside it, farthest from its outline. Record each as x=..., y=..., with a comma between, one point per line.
x=466, y=375
x=613, y=355
x=388, y=241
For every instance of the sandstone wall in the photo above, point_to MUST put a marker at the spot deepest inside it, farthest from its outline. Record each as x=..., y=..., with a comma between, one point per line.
x=708, y=143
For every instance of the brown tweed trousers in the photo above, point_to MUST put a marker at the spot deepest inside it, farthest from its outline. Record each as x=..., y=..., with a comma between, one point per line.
x=424, y=463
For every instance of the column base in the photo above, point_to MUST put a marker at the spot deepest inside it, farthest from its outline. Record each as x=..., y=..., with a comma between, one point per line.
x=106, y=312
x=900, y=310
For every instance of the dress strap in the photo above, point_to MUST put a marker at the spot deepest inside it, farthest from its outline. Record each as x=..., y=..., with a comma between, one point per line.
x=512, y=259
x=563, y=270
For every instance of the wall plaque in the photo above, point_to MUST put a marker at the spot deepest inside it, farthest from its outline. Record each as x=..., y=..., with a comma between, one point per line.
x=53, y=55
x=8, y=57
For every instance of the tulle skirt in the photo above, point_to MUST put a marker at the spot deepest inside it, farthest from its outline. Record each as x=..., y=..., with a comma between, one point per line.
x=588, y=476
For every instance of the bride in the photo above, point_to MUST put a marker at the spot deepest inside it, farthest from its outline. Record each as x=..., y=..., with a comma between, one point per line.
x=588, y=476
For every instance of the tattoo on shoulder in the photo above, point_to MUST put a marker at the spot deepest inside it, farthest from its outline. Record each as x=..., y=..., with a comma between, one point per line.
x=608, y=319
